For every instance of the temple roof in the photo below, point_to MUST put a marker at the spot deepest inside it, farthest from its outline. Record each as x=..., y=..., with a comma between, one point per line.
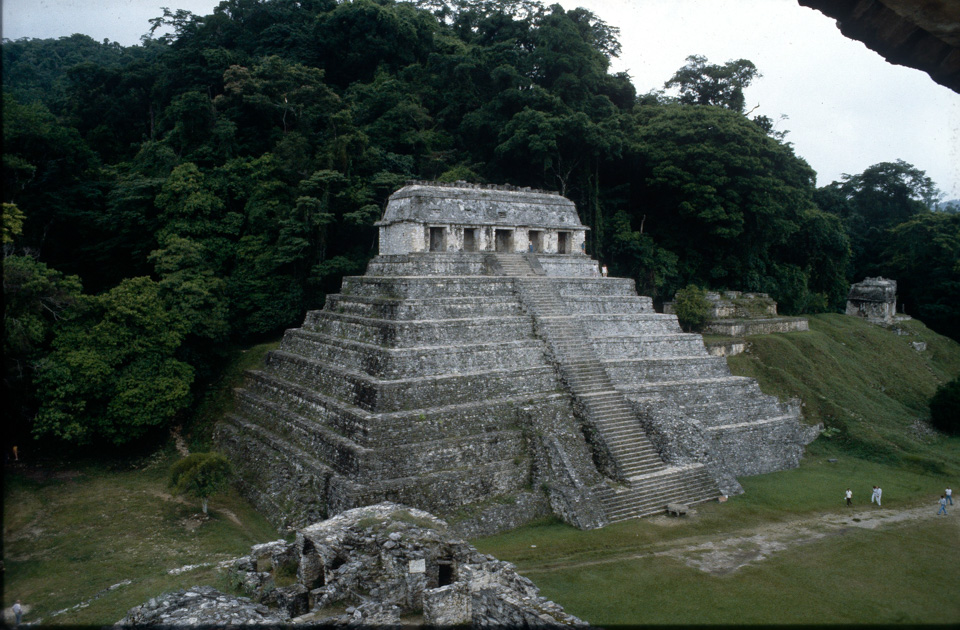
x=474, y=204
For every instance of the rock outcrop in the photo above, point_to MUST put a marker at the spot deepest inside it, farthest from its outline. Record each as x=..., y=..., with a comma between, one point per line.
x=201, y=606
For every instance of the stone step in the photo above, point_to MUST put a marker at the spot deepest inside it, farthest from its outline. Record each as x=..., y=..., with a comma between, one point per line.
x=420, y=287
x=341, y=454
x=649, y=494
x=394, y=363
x=401, y=427
x=606, y=409
x=380, y=395
x=656, y=502
x=405, y=334
x=427, y=308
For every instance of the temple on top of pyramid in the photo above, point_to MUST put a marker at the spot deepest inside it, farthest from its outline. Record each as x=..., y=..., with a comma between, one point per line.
x=429, y=217
x=483, y=369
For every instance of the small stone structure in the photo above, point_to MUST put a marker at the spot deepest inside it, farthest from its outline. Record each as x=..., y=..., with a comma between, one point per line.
x=483, y=369
x=384, y=564
x=736, y=314
x=874, y=299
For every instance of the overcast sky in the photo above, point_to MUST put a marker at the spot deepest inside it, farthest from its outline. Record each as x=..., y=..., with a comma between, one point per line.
x=846, y=107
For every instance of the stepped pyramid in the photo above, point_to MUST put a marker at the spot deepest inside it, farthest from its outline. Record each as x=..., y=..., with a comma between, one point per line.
x=483, y=370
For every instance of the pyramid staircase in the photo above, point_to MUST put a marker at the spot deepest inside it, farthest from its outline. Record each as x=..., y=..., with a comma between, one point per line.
x=645, y=483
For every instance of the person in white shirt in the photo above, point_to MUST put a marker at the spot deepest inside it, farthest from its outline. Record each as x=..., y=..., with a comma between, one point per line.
x=949, y=496
x=879, y=492
x=849, y=496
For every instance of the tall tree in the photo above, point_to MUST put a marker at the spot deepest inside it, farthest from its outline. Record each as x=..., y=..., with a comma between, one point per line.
x=721, y=194
x=113, y=377
x=883, y=196
x=923, y=255
x=702, y=83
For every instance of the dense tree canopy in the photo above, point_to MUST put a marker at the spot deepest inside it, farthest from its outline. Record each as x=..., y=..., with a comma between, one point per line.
x=210, y=186
x=888, y=213
x=701, y=83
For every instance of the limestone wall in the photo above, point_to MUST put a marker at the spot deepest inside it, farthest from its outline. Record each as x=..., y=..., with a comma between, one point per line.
x=743, y=327
x=874, y=299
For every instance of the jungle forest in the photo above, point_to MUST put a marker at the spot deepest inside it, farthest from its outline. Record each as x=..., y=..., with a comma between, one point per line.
x=201, y=191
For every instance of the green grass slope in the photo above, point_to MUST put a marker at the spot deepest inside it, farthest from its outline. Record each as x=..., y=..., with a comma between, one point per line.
x=868, y=385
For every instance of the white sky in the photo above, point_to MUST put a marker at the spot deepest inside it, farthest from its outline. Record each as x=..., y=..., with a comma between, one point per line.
x=846, y=107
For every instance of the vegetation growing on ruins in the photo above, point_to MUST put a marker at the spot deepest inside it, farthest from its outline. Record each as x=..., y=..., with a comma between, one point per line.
x=204, y=189
x=692, y=308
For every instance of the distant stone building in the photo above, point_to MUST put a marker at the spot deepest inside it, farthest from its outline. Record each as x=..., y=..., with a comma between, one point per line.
x=483, y=369
x=874, y=299
x=736, y=314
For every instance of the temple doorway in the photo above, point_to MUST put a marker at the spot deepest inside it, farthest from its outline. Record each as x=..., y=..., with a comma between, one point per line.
x=436, y=239
x=536, y=241
x=470, y=240
x=503, y=240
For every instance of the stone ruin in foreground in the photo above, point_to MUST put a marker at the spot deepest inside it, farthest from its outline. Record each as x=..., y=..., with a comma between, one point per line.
x=483, y=370
x=381, y=565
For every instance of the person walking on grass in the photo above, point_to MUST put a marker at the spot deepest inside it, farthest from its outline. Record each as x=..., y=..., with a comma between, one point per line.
x=943, y=505
x=849, y=496
x=17, y=611
x=949, y=496
x=879, y=492
x=873, y=497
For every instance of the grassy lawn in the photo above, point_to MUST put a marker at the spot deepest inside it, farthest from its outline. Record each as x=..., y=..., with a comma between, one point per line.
x=71, y=534
x=901, y=573
x=865, y=383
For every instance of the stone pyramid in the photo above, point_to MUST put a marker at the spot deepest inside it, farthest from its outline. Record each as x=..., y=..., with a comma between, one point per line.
x=483, y=369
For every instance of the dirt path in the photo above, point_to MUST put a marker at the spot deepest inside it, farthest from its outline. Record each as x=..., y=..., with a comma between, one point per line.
x=725, y=553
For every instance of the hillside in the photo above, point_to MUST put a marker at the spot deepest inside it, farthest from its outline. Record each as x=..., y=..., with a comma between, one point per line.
x=868, y=385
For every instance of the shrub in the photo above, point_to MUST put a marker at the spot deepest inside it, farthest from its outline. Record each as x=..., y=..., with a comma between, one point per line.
x=692, y=308
x=945, y=407
x=200, y=475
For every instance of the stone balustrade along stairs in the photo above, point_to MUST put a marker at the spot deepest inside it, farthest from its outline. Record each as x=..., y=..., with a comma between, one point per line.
x=647, y=483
